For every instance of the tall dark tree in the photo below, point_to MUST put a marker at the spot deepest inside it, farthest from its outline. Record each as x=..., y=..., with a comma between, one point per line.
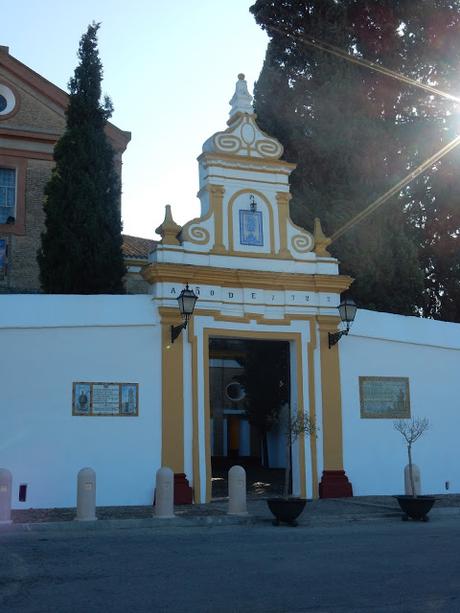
x=81, y=247
x=354, y=133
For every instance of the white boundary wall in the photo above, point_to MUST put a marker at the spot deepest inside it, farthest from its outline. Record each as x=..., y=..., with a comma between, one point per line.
x=49, y=342
x=428, y=352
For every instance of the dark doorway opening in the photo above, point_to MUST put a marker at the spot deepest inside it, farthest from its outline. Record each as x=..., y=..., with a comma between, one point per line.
x=249, y=395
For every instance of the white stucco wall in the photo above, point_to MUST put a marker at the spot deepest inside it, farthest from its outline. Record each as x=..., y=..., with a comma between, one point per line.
x=49, y=342
x=428, y=352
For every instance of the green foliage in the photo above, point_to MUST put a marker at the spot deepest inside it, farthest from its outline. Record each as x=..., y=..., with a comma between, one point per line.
x=354, y=133
x=81, y=247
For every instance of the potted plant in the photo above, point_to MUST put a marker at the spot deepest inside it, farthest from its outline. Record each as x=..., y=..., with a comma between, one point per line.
x=287, y=508
x=413, y=505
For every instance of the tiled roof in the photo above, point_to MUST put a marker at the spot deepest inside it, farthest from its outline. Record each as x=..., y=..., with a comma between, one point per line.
x=137, y=247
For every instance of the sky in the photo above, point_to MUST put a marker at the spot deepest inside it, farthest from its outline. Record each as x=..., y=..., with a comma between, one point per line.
x=170, y=69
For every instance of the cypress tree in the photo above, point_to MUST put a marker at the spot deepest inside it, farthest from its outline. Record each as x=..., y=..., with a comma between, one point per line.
x=354, y=133
x=81, y=246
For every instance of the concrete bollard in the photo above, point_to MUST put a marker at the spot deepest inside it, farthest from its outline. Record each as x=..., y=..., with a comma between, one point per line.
x=164, y=493
x=237, y=491
x=417, y=483
x=6, y=481
x=86, y=495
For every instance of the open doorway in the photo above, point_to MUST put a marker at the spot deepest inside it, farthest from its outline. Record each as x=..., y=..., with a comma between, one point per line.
x=249, y=397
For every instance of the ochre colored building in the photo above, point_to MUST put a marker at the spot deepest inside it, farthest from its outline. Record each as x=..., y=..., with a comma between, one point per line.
x=32, y=119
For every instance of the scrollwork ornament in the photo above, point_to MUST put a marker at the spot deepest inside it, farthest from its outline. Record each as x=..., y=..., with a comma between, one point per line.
x=268, y=148
x=199, y=235
x=228, y=143
x=302, y=243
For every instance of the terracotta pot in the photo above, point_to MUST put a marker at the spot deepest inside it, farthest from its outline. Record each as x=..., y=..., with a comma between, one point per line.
x=416, y=507
x=286, y=510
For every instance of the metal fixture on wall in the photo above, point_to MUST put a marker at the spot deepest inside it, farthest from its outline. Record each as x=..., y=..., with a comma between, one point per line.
x=186, y=301
x=347, y=309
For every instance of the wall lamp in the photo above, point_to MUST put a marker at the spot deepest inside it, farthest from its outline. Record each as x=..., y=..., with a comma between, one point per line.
x=186, y=301
x=347, y=309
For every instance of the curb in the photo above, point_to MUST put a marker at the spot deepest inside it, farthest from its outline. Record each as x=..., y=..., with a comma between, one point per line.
x=181, y=522
x=308, y=521
x=111, y=524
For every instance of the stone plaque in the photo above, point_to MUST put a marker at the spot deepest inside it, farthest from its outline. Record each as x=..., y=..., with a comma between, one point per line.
x=384, y=397
x=112, y=399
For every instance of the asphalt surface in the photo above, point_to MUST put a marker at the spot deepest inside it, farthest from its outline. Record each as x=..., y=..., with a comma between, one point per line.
x=380, y=565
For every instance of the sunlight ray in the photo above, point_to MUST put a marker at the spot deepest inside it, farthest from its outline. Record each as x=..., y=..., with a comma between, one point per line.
x=328, y=48
x=396, y=188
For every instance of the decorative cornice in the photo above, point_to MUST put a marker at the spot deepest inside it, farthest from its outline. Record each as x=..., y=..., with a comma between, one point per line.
x=226, y=160
x=238, y=278
x=33, y=135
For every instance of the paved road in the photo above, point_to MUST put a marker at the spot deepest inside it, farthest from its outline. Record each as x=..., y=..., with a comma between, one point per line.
x=376, y=566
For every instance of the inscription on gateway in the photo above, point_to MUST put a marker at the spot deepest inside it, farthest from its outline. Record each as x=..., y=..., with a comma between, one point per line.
x=115, y=399
x=384, y=397
x=245, y=296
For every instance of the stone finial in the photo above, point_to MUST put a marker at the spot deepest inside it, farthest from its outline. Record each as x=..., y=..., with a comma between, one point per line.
x=241, y=101
x=321, y=240
x=169, y=229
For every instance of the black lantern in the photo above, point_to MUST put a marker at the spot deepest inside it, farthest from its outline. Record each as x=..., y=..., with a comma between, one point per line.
x=347, y=310
x=186, y=301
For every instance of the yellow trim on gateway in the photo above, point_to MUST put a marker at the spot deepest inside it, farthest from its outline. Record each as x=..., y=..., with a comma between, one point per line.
x=172, y=367
x=237, y=277
x=332, y=402
x=288, y=336
x=210, y=158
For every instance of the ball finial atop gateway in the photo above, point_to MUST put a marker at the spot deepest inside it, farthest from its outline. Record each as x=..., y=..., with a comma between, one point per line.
x=241, y=101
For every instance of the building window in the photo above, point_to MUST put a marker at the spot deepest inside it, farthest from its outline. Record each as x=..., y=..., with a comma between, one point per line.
x=12, y=194
x=7, y=195
x=8, y=101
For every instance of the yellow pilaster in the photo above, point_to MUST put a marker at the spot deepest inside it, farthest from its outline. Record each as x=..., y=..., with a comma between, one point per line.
x=172, y=449
x=216, y=199
x=312, y=406
x=282, y=199
x=331, y=396
x=195, y=435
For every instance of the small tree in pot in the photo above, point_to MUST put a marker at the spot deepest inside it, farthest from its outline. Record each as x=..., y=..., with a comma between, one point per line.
x=413, y=505
x=294, y=426
x=287, y=509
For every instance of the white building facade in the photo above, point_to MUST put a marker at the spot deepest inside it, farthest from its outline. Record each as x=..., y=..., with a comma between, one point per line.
x=97, y=381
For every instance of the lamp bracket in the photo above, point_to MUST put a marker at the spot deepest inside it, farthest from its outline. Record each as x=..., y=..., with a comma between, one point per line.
x=176, y=330
x=336, y=336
